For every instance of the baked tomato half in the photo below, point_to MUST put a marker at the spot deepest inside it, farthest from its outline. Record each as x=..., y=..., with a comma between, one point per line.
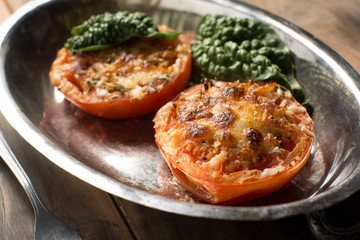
x=231, y=142
x=128, y=80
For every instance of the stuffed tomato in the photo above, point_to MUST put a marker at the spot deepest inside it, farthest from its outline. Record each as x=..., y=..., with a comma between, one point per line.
x=231, y=142
x=129, y=79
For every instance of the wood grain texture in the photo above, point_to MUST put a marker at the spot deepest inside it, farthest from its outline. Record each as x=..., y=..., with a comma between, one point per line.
x=151, y=224
x=15, y=4
x=15, y=208
x=337, y=23
x=5, y=10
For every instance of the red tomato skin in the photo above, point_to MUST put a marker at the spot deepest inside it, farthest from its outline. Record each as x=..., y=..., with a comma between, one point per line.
x=232, y=193
x=235, y=193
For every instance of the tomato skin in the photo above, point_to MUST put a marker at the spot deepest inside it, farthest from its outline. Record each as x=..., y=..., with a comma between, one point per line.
x=120, y=107
x=211, y=190
x=232, y=193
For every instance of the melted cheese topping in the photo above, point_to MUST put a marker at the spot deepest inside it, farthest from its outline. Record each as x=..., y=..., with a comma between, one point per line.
x=130, y=70
x=233, y=132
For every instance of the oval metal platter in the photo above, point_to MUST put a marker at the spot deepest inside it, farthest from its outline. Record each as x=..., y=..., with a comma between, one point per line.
x=121, y=157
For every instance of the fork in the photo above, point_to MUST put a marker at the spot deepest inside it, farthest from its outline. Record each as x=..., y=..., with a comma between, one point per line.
x=47, y=226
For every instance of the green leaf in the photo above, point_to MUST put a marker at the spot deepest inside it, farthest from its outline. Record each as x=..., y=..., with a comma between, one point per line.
x=232, y=49
x=166, y=35
x=109, y=29
x=93, y=48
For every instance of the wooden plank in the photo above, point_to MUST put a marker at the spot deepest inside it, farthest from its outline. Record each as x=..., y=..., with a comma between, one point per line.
x=334, y=22
x=7, y=7
x=5, y=11
x=15, y=208
x=151, y=224
x=15, y=4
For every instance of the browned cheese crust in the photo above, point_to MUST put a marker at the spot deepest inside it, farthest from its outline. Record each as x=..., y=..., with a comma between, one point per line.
x=233, y=132
x=130, y=70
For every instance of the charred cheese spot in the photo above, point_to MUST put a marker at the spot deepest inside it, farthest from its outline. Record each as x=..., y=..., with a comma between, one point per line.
x=226, y=138
x=224, y=118
x=210, y=101
x=280, y=142
x=197, y=131
x=190, y=114
x=232, y=92
x=253, y=137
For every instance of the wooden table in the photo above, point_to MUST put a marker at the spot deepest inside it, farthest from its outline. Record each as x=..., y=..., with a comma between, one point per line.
x=97, y=215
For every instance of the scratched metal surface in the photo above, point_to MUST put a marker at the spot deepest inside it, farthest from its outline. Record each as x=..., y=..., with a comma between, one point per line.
x=121, y=157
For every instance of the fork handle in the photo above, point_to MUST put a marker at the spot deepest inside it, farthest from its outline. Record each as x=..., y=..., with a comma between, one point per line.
x=14, y=165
